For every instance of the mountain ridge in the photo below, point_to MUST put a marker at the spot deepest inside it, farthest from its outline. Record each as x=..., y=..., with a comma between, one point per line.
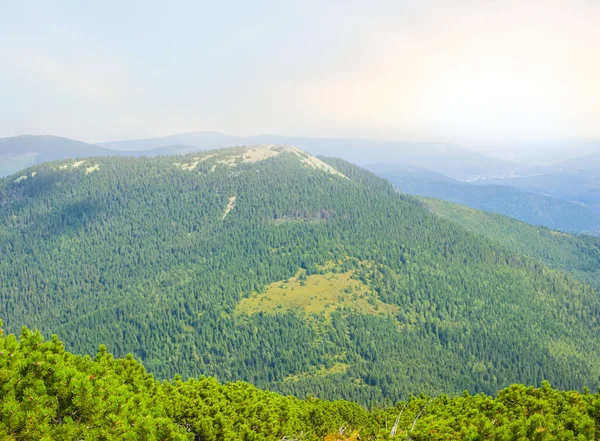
x=454, y=159
x=579, y=255
x=23, y=151
x=449, y=158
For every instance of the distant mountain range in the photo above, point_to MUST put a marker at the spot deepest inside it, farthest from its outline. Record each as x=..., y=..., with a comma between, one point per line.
x=20, y=152
x=576, y=180
x=453, y=160
x=530, y=207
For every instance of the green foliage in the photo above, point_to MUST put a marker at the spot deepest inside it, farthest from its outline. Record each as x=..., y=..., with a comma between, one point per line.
x=577, y=255
x=517, y=413
x=137, y=255
x=48, y=394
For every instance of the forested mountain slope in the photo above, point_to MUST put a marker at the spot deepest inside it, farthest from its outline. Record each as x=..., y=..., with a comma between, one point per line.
x=577, y=255
x=47, y=393
x=271, y=266
x=528, y=207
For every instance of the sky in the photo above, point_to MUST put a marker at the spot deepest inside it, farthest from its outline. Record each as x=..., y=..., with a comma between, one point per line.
x=503, y=76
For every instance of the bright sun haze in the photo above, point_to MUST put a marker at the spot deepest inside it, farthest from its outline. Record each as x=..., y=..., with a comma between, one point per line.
x=461, y=71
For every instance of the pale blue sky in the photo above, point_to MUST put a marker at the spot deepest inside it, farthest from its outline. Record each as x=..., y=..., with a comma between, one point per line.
x=426, y=70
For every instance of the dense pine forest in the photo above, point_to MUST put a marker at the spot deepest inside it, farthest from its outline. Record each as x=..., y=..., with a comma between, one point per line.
x=47, y=393
x=579, y=255
x=303, y=276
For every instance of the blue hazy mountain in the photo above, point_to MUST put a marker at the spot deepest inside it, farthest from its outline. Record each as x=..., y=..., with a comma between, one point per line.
x=576, y=180
x=19, y=152
x=533, y=208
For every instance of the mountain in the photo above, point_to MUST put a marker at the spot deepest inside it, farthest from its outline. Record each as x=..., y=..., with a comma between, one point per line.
x=199, y=140
x=576, y=180
x=510, y=201
x=51, y=394
x=577, y=186
x=19, y=152
x=298, y=274
x=590, y=161
x=450, y=159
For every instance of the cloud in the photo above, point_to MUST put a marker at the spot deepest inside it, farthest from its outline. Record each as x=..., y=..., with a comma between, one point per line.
x=469, y=68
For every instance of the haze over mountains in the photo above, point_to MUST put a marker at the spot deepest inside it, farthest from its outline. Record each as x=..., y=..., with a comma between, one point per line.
x=20, y=152
x=528, y=206
x=576, y=180
x=453, y=160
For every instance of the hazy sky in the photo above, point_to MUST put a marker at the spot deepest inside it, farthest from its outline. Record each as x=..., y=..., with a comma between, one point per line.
x=462, y=71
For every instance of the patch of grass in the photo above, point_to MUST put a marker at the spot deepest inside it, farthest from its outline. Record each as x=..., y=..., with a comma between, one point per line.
x=337, y=368
x=319, y=294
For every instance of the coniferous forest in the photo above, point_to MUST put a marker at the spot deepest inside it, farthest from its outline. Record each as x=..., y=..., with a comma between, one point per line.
x=50, y=394
x=308, y=277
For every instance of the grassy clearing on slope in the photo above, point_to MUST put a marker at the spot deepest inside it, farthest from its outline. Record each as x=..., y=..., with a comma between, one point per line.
x=320, y=294
x=230, y=206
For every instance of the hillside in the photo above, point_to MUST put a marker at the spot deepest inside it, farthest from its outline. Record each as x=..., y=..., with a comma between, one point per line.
x=294, y=273
x=578, y=186
x=528, y=207
x=577, y=255
x=51, y=394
